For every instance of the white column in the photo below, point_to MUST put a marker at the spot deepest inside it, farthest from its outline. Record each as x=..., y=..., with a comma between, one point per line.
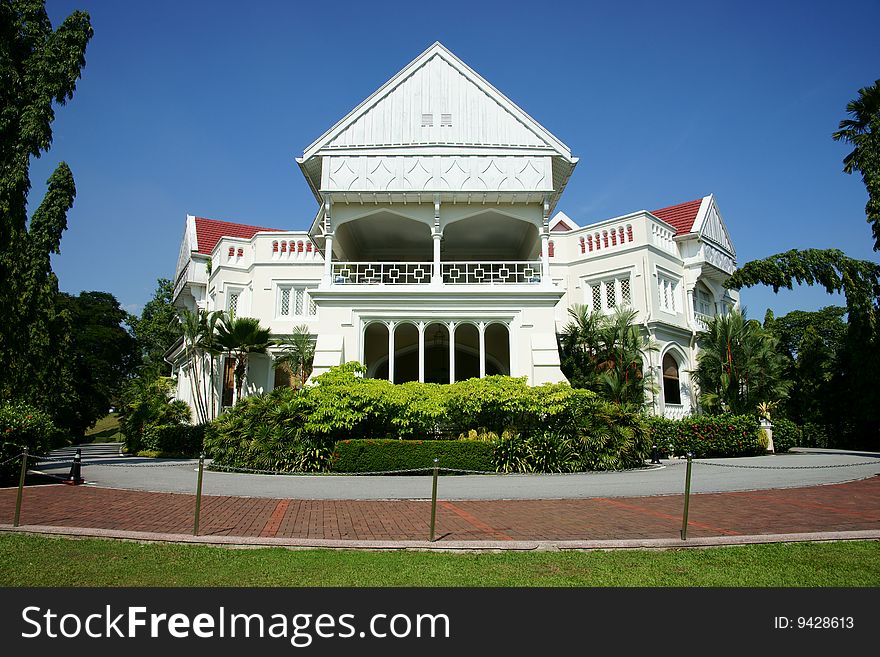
x=328, y=244
x=545, y=259
x=436, y=278
x=391, y=351
x=482, y=327
x=451, y=329
x=421, y=352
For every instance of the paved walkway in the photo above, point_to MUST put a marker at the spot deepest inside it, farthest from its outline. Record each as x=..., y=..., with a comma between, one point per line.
x=845, y=507
x=804, y=468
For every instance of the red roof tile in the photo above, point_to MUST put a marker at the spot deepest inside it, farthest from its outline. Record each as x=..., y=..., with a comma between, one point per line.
x=681, y=216
x=210, y=231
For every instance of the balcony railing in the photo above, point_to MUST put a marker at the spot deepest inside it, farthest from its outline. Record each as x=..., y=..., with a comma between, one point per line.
x=421, y=273
x=490, y=273
x=702, y=321
x=386, y=273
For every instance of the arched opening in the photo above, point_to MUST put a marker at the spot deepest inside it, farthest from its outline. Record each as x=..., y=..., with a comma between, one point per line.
x=490, y=236
x=436, y=354
x=376, y=350
x=497, y=339
x=671, y=382
x=467, y=352
x=384, y=237
x=406, y=353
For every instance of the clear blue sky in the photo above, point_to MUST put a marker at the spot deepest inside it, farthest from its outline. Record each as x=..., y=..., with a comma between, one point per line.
x=200, y=107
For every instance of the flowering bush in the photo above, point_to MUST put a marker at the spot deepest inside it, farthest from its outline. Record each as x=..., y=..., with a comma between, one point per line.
x=708, y=435
x=22, y=425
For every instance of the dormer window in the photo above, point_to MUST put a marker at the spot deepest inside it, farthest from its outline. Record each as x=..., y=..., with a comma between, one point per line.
x=427, y=120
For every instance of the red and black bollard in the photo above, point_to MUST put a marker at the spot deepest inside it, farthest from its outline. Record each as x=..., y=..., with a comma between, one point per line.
x=75, y=476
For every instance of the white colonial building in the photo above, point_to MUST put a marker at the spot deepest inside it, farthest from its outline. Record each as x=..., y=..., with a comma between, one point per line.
x=437, y=253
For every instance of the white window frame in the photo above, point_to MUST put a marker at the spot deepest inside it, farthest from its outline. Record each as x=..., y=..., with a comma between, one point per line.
x=307, y=303
x=233, y=290
x=614, y=278
x=668, y=287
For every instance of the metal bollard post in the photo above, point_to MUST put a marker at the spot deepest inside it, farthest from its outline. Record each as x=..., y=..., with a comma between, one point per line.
x=434, y=498
x=655, y=455
x=199, y=494
x=687, y=498
x=24, y=458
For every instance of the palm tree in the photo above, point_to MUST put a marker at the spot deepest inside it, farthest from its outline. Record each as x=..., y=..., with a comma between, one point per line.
x=605, y=354
x=239, y=337
x=298, y=352
x=738, y=366
x=192, y=324
x=862, y=131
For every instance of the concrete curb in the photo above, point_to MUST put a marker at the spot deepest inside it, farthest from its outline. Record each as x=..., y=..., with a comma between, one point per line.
x=439, y=546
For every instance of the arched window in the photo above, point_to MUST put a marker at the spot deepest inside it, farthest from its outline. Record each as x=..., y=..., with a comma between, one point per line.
x=671, y=384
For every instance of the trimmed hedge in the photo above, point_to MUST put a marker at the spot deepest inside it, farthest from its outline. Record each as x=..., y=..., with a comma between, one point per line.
x=372, y=455
x=175, y=439
x=708, y=435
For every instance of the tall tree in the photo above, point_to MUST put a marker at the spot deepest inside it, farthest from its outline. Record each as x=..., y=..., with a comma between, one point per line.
x=862, y=131
x=605, y=354
x=38, y=67
x=738, y=366
x=100, y=358
x=240, y=337
x=297, y=354
x=157, y=329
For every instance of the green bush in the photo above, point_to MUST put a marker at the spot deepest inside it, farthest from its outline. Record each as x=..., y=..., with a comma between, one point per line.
x=175, y=439
x=708, y=436
x=558, y=428
x=148, y=403
x=385, y=455
x=264, y=432
x=22, y=425
x=786, y=434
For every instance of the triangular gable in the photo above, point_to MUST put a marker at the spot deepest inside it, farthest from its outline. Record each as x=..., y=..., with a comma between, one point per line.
x=561, y=223
x=710, y=224
x=438, y=89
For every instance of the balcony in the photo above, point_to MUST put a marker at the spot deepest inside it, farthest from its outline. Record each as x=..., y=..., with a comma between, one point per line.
x=514, y=272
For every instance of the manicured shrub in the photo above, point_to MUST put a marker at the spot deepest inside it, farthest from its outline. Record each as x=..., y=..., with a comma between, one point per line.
x=175, y=439
x=708, y=436
x=22, y=425
x=147, y=403
x=387, y=455
x=786, y=434
x=557, y=428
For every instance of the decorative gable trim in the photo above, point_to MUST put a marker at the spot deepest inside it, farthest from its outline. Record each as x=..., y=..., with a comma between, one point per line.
x=710, y=225
x=540, y=136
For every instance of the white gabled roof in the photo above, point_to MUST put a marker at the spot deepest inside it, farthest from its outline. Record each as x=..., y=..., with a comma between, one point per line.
x=710, y=224
x=437, y=83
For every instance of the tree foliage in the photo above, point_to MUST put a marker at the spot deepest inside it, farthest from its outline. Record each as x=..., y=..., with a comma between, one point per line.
x=157, y=329
x=100, y=358
x=862, y=131
x=738, y=366
x=605, y=354
x=38, y=67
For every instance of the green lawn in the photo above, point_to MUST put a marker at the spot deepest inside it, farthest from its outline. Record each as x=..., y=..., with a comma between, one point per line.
x=41, y=561
x=106, y=430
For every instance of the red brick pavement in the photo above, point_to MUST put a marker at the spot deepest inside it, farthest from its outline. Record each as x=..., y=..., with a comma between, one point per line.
x=839, y=507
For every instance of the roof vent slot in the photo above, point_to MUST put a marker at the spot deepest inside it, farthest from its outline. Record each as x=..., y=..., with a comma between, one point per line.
x=446, y=120
x=427, y=120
